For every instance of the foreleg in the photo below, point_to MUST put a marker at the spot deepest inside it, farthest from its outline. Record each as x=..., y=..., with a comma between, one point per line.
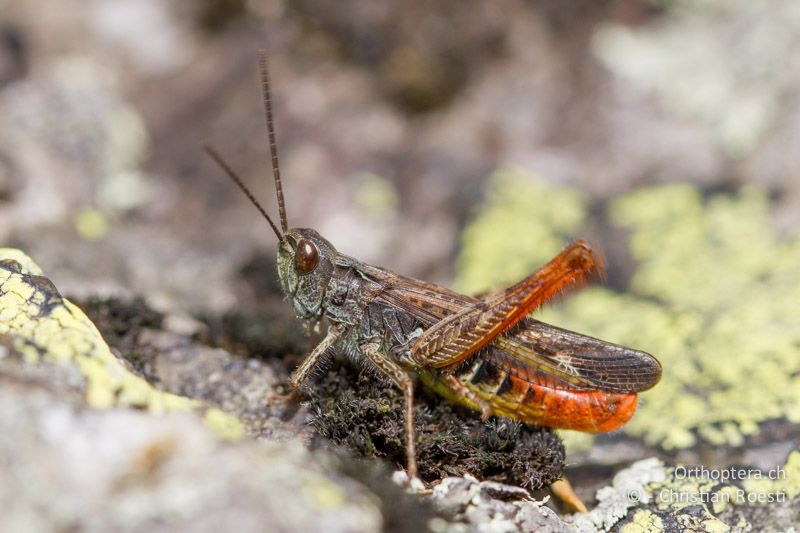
x=310, y=362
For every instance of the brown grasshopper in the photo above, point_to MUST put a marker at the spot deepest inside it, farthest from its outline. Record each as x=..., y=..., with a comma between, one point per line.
x=485, y=353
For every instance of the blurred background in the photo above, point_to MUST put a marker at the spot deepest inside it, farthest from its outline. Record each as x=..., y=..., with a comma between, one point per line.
x=390, y=117
x=462, y=142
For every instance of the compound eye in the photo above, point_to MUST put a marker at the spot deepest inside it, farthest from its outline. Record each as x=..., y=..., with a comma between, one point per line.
x=306, y=256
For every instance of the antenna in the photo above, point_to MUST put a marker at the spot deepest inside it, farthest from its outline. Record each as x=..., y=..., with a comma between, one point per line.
x=233, y=176
x=273, y=147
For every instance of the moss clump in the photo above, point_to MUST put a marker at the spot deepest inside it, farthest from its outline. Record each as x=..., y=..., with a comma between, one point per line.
x=365, y=415
x=120, y=323
x=264, y=334
x=118, y=319
x=714, y=298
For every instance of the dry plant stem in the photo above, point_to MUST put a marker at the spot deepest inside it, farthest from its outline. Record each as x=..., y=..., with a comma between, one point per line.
x=562, y=489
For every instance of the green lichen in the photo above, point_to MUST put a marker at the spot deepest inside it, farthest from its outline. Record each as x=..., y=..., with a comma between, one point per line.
x=326, y=495
x=714, y=297
x=91, y=224
x=376, y=196
x=42, y=324
x=784, y=480
x=644, y=522
x=224, y=425
x=524, y=225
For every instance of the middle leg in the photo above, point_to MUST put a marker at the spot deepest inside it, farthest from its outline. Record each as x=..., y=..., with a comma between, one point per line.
x=394, y=372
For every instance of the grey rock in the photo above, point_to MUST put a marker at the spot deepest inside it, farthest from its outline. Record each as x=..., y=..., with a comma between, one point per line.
x=66, y=467
x=474, y=507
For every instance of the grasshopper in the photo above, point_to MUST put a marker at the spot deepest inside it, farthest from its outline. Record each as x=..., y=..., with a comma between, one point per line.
x=485, y=353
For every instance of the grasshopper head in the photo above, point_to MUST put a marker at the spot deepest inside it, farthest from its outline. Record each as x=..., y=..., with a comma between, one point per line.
x=305, y=266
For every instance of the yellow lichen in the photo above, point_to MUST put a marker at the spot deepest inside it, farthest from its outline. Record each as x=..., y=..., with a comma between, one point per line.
x=325, y=495
x=785, y=480
x=225, y=425
x=376, y=196
x=714, y=297
x=91, y=224
x=524, y=224
x=26, y=263
x=644, y=522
